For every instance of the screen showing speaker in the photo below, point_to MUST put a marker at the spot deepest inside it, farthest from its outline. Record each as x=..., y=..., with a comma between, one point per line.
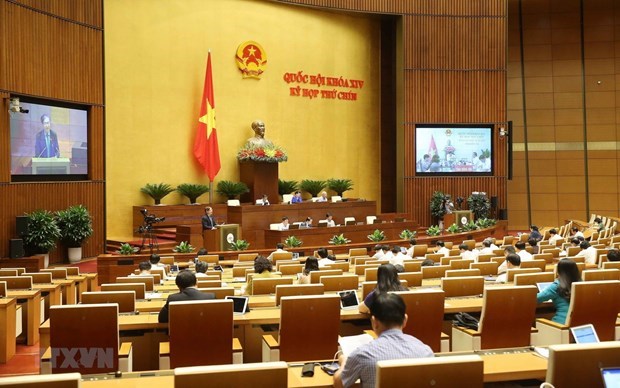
x=49, y=141
x=454, y=149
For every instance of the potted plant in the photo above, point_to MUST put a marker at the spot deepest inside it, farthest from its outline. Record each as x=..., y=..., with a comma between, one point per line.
x=407, y=234
x=454, y=228
x=339, y=239
x=192, y=191
x=239, y=245
x=376, y=236
x=42, y=233
x=287, y=187
x=184, y=247
x=292, y=242
x=76, y=225
x=479, y=204
x=157, y=191
x=127, y=249
x=231, y=190
x=485, y=222
x=340, y=185
x=313, y=187
x=433, y=230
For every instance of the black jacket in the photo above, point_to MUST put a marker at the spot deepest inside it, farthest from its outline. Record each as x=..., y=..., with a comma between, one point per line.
x=187, y=294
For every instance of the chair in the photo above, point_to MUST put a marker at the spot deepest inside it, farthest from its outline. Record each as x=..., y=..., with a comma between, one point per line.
x=258, y=375
x=572, y=251
x=445, y=260
x=595, y=302
x=18, y=269
x=420, y=250
x=508, y=240
x=219, y=292
x=485, y=257
x=126, y=300
x=239, y=271
x=167, y=260
x=485, y=269
x=461, y=264
x=413, y=279
x=3, y=289
x=349, y=220
x=147, y=280
x=505, y=321
x=267, y=286
x=297, y=290
x=63, y=380
x=370, y=274
x=413, y=266
x=39, y=277
x=436, y=257
x=206, y=278
x=233, y=202
x=340, y=282
x=309, y=328
x=360, y=269
x=73, y=271
x=208, y=283
x=210, y=259
x=217, y=274
x=354, y=252
x=462, y=286
x=138, y=288
x=336, y=198
x=579, y=365
x=341, y=265
x=371, y=220
x=367, y=287
x=546, y=257
x=510, y=273
x=611, y=265
x=287, y=198
x=17, y=282
x=8, y=272
x=282, y=256
x=57, y=273
x=315, y=275
x=600, y=274
x=425, y=309
x=185, y=348
x=247, y=256
x=68, y=332
x=440, y=372
x=540, y=264
x=462, y=272
x=471, y=244
x=291, y=269
x=530, y=279
x=435, y=272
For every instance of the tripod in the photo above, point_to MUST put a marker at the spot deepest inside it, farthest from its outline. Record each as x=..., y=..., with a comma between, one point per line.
x=147, y=235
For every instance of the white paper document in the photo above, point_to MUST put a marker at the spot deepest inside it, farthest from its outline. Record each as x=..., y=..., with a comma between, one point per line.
x=350, y=343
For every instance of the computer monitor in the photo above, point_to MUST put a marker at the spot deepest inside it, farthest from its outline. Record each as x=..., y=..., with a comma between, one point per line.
x=348, y=299
x=611, y=377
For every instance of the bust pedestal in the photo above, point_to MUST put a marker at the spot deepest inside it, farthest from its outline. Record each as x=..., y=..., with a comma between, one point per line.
x=261, y=178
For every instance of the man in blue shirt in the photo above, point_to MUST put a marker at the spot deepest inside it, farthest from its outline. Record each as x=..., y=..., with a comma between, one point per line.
x=388, y=319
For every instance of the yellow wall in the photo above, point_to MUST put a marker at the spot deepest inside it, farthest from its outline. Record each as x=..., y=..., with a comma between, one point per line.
x=155, y=56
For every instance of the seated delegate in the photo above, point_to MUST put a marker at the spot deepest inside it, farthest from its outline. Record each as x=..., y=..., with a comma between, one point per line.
x=262, y=269
x=559, y=290
x=186, y=281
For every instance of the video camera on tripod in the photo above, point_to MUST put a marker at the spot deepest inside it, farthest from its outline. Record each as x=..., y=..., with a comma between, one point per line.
x=149, y=220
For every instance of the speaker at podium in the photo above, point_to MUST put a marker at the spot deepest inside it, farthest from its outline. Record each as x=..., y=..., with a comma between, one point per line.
x=220, y=238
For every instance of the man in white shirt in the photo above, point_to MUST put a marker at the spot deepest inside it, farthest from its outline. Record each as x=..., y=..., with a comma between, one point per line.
x=398, y=258
x=155, y=264
x=388, y=254
x=412, y=243
x=279, y=249
x=284, y=224
x=379, y=252
x=441, y=248
x=504, y=266
x=575, y=232
x=323, y=197
x=324, y=257
x=554, y=237
x=330, y=220
x=486, y=248
x=467, y=254
x=201, y=269
x=523, y=254
x=588, y=252
x=512, y=261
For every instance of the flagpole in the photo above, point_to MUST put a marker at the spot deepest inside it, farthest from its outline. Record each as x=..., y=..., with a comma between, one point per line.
x=210, y=192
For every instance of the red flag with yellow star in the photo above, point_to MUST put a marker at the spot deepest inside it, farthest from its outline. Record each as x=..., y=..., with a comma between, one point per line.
x=206, y=148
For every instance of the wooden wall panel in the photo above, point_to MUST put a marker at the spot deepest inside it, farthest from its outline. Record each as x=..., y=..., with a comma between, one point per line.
x=53, y=49
x=20, y=198
x=455, y=72
x=82, y=11
x=48, y=56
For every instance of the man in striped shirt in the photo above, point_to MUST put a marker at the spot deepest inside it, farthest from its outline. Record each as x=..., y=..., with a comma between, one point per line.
x=388, y=319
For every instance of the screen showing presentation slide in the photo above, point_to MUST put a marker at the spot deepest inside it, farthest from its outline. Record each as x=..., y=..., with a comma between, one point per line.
x=48, y=142
x=454, y=150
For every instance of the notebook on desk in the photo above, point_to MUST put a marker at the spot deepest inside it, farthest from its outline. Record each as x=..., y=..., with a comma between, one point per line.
x=585, y=334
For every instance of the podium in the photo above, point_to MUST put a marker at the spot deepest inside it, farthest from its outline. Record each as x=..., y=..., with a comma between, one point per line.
x=52, y=166
x=261, y=178
x=457, y=217
x=213, y=240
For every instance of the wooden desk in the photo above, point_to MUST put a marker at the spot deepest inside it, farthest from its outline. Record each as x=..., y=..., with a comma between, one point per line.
x=31, y=302
x=81, y=285
x=67, y=287
x=7, y=328
x=508, y=366
x=356, y=233
x=91, y=280
x=50, y=294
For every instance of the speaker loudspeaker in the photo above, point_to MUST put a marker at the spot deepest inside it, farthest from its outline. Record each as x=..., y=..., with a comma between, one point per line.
x=21, y=225
x=16, y=248
x=493, y=202
x=503, y=214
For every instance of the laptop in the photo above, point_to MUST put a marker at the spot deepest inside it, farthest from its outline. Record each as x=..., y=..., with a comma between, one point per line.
x=240, y=304
x=294, y=226
x=585, y=334
x=295, y=255
x=543, y=285
x=348, y=300
x=611, y=377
